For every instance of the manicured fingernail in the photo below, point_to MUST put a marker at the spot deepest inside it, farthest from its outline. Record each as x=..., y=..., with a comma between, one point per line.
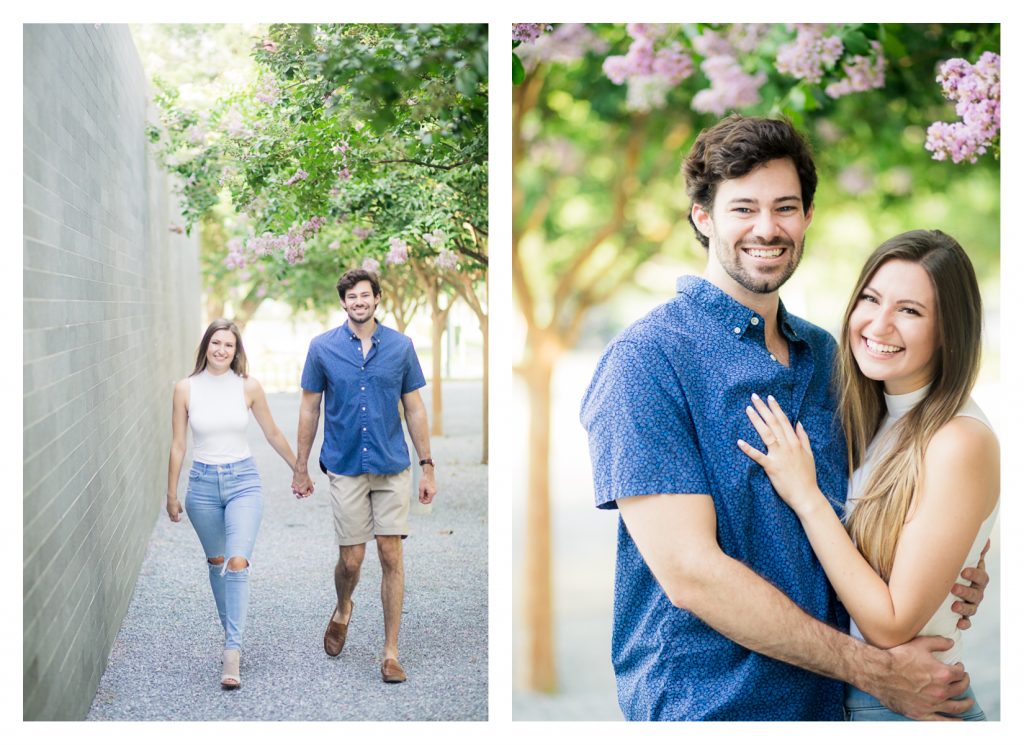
x=755, y=397
x=771, y=397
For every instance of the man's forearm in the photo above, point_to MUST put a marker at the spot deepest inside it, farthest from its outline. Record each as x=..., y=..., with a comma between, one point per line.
x=308, y=421
x=419, y=430
x=746, y=608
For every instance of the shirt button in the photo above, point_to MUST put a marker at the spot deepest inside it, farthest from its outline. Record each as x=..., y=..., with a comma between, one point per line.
x=362, y=387
x=755, y=320
x=736, y=330
x=364, y=408
x=364, y=450
x=364, y=429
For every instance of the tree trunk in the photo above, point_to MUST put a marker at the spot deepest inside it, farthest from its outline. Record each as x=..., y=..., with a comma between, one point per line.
x=483, y=329
x=542, y=352
x=438, y=316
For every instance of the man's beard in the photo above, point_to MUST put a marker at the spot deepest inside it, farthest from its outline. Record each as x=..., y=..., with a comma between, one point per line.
x=369, y=315
x=730, y=260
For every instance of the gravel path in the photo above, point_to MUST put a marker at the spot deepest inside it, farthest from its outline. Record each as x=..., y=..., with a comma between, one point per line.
x=165, y=662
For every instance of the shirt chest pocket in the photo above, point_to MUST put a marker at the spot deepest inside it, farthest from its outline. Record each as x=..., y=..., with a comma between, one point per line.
x=384, y=375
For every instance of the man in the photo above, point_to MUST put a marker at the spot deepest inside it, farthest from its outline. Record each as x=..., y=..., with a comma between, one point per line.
x=722, y=611
x=365, y=369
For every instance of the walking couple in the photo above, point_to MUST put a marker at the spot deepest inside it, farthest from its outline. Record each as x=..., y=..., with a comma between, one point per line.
x=772, y=485
x=360, y=370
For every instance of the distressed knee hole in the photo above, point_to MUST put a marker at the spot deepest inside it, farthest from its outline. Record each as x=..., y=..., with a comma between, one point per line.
x=237, y=563
x=217, y=560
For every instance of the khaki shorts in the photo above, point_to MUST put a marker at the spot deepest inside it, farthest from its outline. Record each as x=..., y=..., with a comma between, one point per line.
x=369, y=505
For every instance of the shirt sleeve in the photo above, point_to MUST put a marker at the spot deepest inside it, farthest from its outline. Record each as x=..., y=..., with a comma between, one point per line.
x=313, y=378
x=413, y=377
x=642, y=436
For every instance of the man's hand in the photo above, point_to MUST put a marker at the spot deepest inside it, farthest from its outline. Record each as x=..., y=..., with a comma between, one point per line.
x=918, y=685
x=427, y=487
x=971, y=596
x=302, y=485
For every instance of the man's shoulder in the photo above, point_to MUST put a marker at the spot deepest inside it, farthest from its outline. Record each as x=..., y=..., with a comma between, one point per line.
x=386, y=332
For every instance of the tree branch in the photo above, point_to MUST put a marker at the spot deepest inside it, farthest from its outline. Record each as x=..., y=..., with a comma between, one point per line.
x=413, y=161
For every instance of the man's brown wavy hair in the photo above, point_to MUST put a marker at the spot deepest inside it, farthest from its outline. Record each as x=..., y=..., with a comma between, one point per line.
x=736, y=146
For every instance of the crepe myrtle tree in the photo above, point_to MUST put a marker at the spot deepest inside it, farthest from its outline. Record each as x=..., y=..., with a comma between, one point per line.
x=349, y=137
x=602, y=116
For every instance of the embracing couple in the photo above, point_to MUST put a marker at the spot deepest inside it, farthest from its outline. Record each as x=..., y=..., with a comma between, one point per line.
x=360, y=370
x=777, y=491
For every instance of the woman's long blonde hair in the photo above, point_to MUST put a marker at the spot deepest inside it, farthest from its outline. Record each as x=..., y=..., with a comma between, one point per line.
x=881, y=509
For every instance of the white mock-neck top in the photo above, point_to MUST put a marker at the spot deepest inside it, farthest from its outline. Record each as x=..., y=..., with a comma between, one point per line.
x=218, y=417
x=943, y=622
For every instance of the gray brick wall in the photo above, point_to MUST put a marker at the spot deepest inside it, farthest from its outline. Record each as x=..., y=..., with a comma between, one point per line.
x=111, y=314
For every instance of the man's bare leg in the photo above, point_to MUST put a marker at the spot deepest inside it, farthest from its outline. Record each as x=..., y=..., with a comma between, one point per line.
x=392, y=590
x=346, y=577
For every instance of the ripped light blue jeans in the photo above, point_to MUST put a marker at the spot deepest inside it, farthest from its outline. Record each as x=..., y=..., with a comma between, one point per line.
x=224, y=503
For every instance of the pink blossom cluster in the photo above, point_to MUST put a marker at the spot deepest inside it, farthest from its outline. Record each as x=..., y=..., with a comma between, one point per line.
x=342, y=149
x=747, y=37
x=370, y=264
x=862, y=74
x=527, y=32
x=976, y=91
x=196, y=134
x=810, y=54
x=234, y=124
x=653, y=66
x=299, y=175
x=362, y=233
x=435, y=239
x=446, y=259
x=236, y=255
x=268, y=91
x=731, y=87
x=292, y=244
x=568, y=42
x=399, y=252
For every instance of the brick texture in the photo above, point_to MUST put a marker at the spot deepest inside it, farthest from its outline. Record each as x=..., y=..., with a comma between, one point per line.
x=111, y=318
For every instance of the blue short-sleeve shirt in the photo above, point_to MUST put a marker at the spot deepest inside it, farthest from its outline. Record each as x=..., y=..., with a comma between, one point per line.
x=663, y=412
x=362, y=428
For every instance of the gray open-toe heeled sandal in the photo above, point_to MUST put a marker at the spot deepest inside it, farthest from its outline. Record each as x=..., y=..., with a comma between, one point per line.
x=229, y=678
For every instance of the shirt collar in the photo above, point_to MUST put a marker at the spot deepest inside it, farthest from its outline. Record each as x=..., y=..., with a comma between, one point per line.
x=375, y=338
x=735, y=316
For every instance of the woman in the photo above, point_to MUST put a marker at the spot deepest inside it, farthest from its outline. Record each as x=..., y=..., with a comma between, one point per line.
x=925, y=462
x=224, y=499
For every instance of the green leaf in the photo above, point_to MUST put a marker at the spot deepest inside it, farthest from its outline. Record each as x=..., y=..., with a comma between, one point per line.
x=856, y=42
x=518, y=71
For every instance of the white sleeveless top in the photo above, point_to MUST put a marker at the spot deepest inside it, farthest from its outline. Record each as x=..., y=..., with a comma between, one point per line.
x=943, y=623
x=218, y=417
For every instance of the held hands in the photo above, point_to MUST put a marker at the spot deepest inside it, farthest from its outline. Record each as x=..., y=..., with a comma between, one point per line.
x=789, y=461
x=174, y=509
x=302, y=485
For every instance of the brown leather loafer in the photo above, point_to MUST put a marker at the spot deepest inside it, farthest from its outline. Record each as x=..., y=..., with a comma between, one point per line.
x=391, y=671
x=334, y=637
